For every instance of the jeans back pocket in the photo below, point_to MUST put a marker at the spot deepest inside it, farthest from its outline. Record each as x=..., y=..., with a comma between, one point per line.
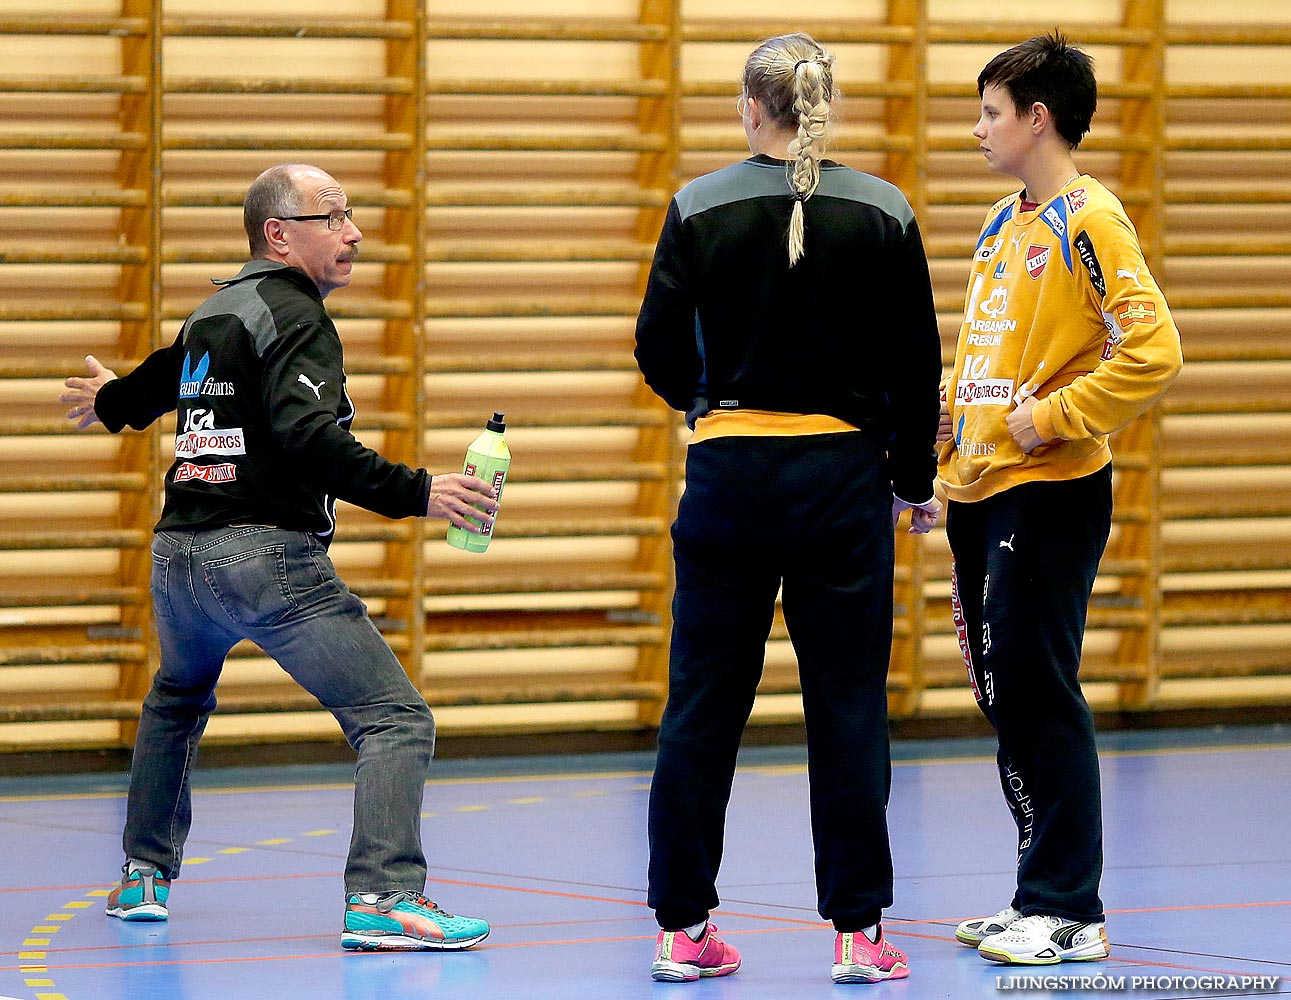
x=252, y=586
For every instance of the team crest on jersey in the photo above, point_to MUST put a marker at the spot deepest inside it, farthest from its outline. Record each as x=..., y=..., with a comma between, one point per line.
x=1076, y=200
x=1037, y=258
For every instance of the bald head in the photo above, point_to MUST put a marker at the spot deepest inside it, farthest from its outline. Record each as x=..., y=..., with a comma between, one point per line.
x=273, y=195
x=298, y=215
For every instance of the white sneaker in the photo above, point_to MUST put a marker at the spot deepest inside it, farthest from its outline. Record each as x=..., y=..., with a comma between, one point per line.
x=1045, y=940
x=975, y=931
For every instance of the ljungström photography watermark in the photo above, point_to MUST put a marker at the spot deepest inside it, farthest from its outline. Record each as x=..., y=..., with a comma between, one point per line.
x=1216, y=984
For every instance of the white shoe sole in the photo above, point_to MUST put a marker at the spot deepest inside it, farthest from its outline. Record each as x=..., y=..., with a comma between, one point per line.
x=143, y=912
x=1095, y=952
x=664, y=970
x=355, y=941
x=867, y=973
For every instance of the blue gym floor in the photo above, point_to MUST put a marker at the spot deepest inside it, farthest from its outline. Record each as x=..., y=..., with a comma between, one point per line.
x=552, y=852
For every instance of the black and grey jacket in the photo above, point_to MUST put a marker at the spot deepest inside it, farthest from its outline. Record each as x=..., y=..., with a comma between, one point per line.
x=263, y=424
x=849, y=331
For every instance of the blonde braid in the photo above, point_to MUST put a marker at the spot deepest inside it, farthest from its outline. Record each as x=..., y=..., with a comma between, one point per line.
x=792, y=78
x=811, y=102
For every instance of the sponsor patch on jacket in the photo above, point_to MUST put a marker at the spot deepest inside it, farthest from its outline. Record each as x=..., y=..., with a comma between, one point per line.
x=1085, y=247
x=988, y=250
x=192, y=376
x=984, y=392
x=1056, y=219
x=1037, y=258
x=229, y=441
x=1136, y=311
x=224, y=473
x=1076, y=200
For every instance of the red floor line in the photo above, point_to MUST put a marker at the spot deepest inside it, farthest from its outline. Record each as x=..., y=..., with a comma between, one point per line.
x=496, y=946
x=55, y=968
x=200, y=943
x=609, y=899
x=565, y=923
x=1127, y=962
x=1203, y=906
x=186, y=881
x=894, y=930
x=60, y=888
x=179, y=944
x=1142, y=909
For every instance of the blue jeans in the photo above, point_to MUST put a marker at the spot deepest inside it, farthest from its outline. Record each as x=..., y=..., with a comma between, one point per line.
x=279, y=589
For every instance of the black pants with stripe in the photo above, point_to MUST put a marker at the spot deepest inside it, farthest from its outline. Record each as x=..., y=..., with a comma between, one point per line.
x=1024, y=567
x=813, y=514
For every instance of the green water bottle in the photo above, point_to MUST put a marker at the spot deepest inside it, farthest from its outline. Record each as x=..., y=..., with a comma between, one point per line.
x=488, y=457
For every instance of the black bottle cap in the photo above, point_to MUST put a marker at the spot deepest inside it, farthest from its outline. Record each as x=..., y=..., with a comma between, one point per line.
x=498, y=424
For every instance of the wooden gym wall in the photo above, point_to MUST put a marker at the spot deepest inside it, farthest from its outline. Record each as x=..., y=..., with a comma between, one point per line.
x=510, y=175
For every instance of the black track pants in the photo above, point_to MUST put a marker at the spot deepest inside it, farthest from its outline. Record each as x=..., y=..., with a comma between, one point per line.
x=813, y=513
x=1024, y=566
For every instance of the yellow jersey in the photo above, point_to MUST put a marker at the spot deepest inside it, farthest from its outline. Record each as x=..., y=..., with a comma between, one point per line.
x=1060, y=306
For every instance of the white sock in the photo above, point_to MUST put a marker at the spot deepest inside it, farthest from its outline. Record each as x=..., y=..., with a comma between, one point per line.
x=696, y=931
x=872, y=932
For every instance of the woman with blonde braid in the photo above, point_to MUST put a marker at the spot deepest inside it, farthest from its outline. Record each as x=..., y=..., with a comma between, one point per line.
x=789, y=313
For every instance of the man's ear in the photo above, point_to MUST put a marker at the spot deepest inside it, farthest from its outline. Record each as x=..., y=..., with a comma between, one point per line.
x=274, y=234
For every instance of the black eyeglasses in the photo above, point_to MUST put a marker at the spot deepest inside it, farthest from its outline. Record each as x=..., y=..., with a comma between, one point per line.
x=335, y=220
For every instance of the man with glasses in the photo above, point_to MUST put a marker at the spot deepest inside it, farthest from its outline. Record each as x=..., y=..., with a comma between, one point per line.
x=263, y=450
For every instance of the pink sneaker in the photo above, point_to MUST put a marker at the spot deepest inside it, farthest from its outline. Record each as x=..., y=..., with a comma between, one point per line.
x=678, y=959
x=858, y=960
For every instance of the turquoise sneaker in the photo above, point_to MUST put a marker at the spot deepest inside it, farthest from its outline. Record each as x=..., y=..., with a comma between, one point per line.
x=140, y=895
x=406, y=921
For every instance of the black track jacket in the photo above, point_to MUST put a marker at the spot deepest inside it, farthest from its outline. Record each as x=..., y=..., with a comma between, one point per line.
x=849, y=331
x=263, y=430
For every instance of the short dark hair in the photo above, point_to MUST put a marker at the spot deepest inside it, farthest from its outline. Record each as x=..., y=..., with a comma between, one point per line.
x=1051, y=71
x=272, y=195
